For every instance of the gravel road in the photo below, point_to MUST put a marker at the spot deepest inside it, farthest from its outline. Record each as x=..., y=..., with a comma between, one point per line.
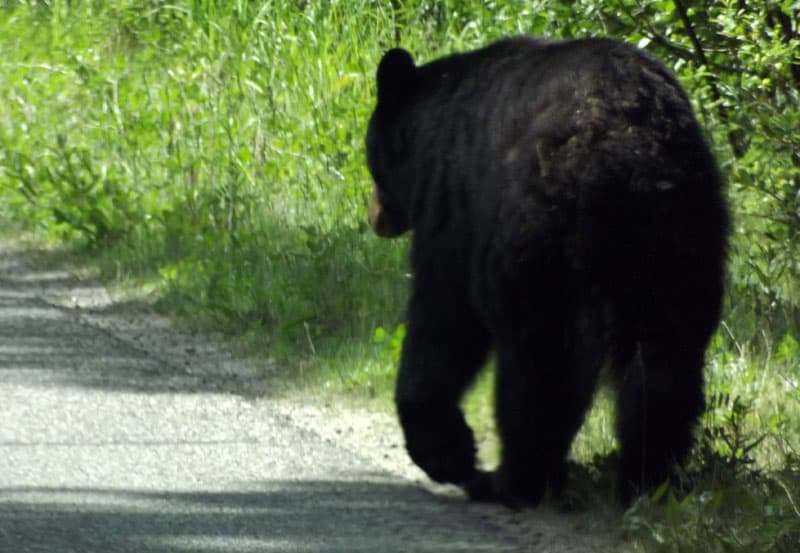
x=119, y=434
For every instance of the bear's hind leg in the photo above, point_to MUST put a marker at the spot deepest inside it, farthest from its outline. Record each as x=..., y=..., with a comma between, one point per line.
x=660, y=398
x=668, y=319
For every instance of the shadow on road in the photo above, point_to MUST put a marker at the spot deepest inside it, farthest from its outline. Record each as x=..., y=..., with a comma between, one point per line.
x=69, y=332
x=314, y=516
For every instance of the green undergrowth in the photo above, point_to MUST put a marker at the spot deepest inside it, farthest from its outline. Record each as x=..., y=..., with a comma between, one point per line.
x=207, y=159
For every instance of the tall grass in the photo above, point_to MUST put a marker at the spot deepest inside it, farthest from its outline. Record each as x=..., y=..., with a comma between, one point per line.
x=215, y=147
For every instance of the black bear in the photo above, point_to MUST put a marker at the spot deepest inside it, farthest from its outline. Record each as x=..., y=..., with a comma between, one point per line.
x=567, y=215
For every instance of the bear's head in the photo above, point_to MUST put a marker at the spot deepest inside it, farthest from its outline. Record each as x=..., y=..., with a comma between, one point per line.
x=388, y=145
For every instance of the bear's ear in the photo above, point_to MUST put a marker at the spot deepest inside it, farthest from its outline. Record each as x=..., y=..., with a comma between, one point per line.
x=395, y=76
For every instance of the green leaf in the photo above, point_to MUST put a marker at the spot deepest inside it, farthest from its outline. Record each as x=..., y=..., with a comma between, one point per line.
x=788, y=349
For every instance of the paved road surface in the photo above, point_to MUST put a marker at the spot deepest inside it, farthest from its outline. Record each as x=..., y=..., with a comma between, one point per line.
x=106, y=448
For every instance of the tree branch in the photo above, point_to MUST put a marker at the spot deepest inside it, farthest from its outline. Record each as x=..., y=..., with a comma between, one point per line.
x=687, y=25
x=700, y=55
x=650, y=32
x=776, y=17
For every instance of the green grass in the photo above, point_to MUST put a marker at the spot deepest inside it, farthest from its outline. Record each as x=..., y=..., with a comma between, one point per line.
x=211, y=153
x=214, y=151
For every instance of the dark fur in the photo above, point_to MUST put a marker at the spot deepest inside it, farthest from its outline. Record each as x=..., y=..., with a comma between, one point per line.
x=565, y=211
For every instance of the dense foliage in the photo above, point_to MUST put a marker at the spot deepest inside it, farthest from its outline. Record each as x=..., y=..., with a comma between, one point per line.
x=215, y=150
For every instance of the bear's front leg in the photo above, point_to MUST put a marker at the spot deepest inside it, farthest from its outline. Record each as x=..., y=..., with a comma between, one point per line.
x=438, y=440
x=442, y=352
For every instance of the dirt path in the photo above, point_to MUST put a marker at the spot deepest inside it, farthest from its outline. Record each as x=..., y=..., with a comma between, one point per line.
x=118, y=433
